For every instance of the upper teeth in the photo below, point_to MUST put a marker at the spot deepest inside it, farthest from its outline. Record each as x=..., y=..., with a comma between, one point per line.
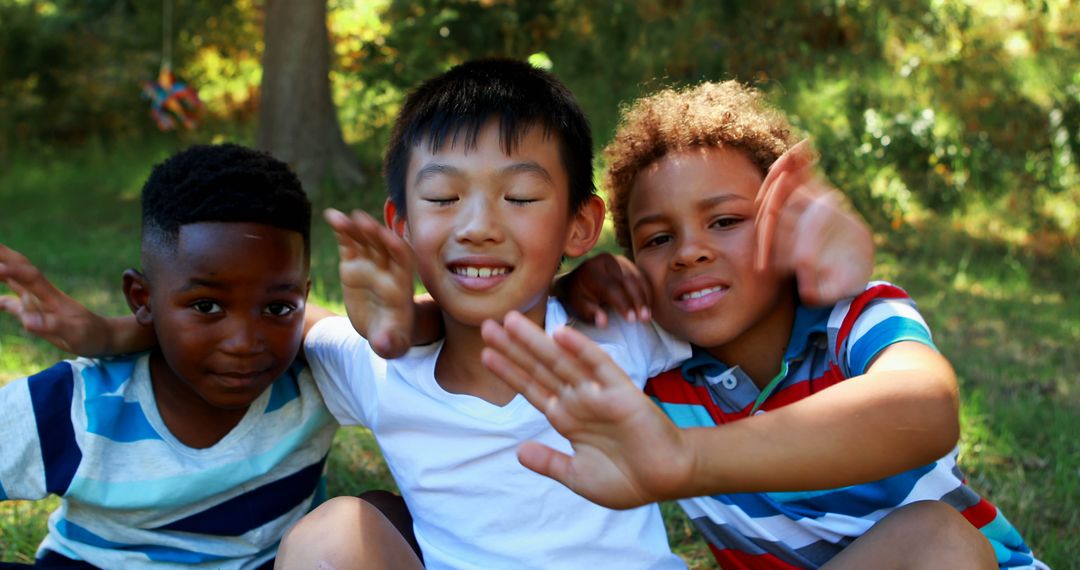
x=700, y=293
x=480, y=271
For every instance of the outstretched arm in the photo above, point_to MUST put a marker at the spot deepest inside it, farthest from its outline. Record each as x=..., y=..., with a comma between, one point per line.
x=900, y=415
x=805, y=226
x=47, y=312
x=376, y=268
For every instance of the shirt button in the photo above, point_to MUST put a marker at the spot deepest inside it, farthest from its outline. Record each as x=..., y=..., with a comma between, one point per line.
x=759, y=412
x=729, y=382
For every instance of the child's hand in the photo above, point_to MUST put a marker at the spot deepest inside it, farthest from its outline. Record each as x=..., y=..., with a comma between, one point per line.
x=47, y=312
x=806, y=226
x=376, y=280
x=626, y=452
x=601, y=283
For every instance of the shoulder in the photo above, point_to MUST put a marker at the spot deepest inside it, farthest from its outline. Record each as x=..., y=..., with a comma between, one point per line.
x=863, y=325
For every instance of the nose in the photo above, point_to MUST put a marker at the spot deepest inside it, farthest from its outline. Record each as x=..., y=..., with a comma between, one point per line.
x=243, y=335
x=480, y=221
x=692, y=250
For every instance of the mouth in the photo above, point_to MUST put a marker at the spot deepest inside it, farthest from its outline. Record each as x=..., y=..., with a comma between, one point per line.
x=700, y=298
x=242, y=378
x=479, y=272
x=479, y=275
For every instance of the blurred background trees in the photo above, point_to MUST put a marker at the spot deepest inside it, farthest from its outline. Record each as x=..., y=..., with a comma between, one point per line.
x=915, y=105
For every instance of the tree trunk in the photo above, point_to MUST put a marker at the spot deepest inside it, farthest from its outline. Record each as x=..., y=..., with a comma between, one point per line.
x=297, y=120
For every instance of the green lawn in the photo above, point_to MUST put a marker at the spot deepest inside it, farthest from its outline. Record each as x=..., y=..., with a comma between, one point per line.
x=1007, y=318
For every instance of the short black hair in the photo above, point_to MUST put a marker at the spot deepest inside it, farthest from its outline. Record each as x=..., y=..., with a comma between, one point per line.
x=222, y=183
x=459, y=102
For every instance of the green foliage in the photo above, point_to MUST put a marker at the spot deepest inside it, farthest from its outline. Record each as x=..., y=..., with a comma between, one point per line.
x=954, y=126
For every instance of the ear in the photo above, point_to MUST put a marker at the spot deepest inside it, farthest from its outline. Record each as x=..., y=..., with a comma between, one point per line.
x=137, y=293
x=585, y=227
x=396, y=222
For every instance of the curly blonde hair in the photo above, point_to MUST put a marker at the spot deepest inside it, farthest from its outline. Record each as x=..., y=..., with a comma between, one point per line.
x=726, y=115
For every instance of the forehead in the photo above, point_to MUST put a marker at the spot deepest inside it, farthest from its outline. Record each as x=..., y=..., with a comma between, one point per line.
x=232, y=250
x=694, y=175
x=488, y=151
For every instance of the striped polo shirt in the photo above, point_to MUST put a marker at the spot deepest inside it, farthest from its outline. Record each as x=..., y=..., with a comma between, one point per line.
x=133, y=495
x=806, y=529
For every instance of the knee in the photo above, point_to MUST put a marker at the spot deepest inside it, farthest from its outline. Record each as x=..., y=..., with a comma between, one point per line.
x=328, y=526
x=345, y=532
x=943, y=537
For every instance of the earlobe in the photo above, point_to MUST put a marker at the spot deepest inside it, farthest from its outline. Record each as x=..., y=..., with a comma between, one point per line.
x=398, y=223
x=585, y=227
x=137, y=293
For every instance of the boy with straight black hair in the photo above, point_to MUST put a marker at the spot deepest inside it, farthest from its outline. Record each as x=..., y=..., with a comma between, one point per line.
x=490, y=183
x=203, y=451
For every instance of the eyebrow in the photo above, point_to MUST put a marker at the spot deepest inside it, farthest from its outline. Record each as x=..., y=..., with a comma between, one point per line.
x=523, y=167
x=528, y=167
x=433, y=170
x=703, y=204
x=197, y=283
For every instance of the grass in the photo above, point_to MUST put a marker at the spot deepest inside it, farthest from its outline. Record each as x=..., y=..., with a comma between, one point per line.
x=1005, y=316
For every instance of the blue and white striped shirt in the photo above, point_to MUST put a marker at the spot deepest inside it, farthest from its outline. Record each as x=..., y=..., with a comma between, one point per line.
x=132, y=494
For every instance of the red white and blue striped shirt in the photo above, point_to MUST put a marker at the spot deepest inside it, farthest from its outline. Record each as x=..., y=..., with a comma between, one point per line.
x=806, y=529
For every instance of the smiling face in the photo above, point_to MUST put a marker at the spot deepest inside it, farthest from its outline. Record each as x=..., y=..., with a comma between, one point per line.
x=489, y=228
x=691, y=219
x=227, y=307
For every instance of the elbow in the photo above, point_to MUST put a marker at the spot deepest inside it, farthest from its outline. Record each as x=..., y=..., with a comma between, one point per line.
x=943, y=405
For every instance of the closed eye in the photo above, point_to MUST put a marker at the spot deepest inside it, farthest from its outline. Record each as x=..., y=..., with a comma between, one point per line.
x=441, y=201
x=521, y=201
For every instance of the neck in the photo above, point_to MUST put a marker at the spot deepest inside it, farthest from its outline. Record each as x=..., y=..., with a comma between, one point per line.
x=189, y=418
x=759, y=351
x=459, y=370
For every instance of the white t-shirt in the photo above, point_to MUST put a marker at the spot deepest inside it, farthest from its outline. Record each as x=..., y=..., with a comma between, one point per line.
x=454, y=456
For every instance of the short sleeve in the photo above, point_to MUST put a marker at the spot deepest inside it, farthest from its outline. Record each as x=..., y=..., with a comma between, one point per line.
x=346, y=370
x=40, y=453
x=863, y=326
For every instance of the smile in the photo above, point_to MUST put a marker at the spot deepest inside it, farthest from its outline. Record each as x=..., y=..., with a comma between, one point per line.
x=481, y=272
x=700, y=293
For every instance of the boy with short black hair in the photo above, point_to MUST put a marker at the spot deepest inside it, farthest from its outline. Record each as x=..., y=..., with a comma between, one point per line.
x=491, y=185
x=203, y=451
x=823, y=427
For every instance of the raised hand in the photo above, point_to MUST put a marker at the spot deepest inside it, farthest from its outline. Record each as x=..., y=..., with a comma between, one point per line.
x=626, y=452
x=46, y=311
x=601, y=283
x=805, y=226
x=376, y=268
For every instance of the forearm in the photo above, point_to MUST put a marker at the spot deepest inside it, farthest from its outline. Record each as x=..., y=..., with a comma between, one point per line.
x=124, y=335
x=859, y=430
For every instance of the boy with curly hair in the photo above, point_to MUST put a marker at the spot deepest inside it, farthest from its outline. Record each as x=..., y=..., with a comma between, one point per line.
x=810, y=436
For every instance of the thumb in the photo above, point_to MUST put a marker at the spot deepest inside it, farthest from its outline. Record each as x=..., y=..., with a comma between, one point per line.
x=546, y=461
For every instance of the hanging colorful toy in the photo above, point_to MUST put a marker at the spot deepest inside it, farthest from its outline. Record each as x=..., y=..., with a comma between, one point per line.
x=171, y=100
